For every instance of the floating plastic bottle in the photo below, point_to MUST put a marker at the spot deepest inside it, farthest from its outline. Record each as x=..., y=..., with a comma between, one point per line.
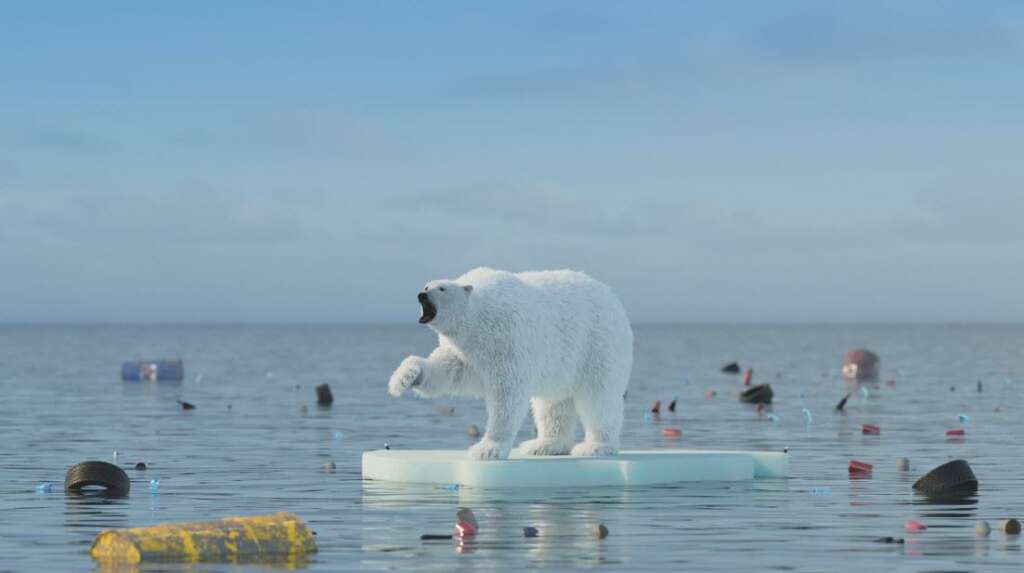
x=154, y=485
x=773, y=418
x=821, y=491
x=808, y=418
x=964, y=418
x=45, y=487
x=116, y=453
x=648, y=417
x=339, y=435
x=452, y=487
x=864, y=390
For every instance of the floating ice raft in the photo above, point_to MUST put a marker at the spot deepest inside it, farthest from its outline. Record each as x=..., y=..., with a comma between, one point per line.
x=628, y=468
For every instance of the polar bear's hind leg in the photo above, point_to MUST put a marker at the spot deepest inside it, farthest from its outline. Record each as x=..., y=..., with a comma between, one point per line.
x=601, y=414
x=556, y=428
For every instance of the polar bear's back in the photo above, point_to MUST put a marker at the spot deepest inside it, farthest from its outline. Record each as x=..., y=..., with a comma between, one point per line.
x=562, y=320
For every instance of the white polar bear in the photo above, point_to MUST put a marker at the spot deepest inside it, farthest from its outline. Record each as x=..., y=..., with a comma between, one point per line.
x=558, y=340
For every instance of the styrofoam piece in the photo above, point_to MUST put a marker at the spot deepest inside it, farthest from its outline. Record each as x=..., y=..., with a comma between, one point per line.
x=628, y=468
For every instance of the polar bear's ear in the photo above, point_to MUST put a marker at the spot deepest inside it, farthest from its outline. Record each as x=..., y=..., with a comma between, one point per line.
x=468, y=288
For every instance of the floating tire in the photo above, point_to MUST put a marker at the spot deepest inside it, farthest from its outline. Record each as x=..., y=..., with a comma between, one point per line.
x=101, y=474
x=760, y=394
x=951, y=478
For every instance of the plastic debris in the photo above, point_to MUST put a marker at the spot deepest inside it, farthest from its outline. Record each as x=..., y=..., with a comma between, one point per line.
x=339, y=435
x=230, y=540
x=648, y=417
x=329, y=467
x=731, y=368
x=821, y=491
x=864, y=390
x=748, y=376
x=45, y=487
x=473, y=431
x=773, y=418
x=435, y=537
x=466, y=514
x=979, y=389
x=963, y=418
x=1010, y=526
x=870, y=430
x=114, y=455
x=186, y=405
x=897, y=540
x=709, y=393
x=902, y=464
x=154, y=485
x=323, y=395
x=656, y=407
x=672, y=404
x=387, y=446
x=955, y=432
x=914, y=526
x=952, y=478
x=982, y=529
x=860, y=364
x=452, y=487
x=464, y=529
x=842, y=403
x=760, y=394
x=671, y=432
x=808, y=418
x=140, y=466
x=446, y=411
x=859, y=467
x=600, y=531
x=529, y=531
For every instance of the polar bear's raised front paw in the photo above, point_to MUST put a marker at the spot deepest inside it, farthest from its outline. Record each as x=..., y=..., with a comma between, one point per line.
x=407, y=375
x=488, y=449
x=594, y=449
x=545, y=447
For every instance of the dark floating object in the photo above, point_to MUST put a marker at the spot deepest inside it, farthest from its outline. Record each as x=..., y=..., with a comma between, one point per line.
x=530, y=531
x=950, y=479
x=672, y=405
x=860, y=364
x=435, y=537
x=889, y=540
x=94, y=473
x=842, y=403
x=187, y=405
x=760, y=394
x=141, y=466
x=153, y=371
x=979, y=385
x=323, y=395
x=731, y=368
x=600, y=531
x=656, y=407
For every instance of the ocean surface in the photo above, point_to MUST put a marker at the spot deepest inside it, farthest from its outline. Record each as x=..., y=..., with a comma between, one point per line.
x=257, y=443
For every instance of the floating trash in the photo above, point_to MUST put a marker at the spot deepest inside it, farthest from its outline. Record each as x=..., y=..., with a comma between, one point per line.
x=842, y=403
x=45, y=487
x=955, y=433
x=808, y=418
x=463, y=529
x=963, y=418
x=323, y=395
x=199, y=378
x=897, y=540
x=952, y=478
x=152, y=371
x=748, y=376
x=140, y=466
x=672, y=404
x=446, y=411
x=387, y=446
x=473, y=431
x=731, y=368
x=339, y=435
x=115, y=454
x=859, y=467
x=656, y=407
x=860, y=364
x=154, y=485
x=982, y=529
x=671, y=432
x=870, y=430
x=529, y=531
x=915, y=526
x=466, y=515
x=773, y=418
x=1010, y=526
x=864, y=390
x=451, y=487
x=600, y=531
x=329, y=467
x=902, y=464
x=186, y=405
x=760, y=394
x=96, y=473
x=709, y=393
x=821, y=491
x=648, y=417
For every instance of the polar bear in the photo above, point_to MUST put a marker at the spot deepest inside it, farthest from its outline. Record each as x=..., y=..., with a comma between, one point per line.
x=557, y=340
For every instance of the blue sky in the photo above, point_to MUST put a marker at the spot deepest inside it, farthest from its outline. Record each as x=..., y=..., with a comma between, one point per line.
x=320, y=161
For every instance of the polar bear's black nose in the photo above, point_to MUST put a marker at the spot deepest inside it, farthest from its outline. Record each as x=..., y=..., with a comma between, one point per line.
x=422, y=297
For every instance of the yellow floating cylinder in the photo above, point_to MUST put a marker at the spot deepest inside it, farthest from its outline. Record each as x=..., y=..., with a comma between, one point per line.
x=279, y=537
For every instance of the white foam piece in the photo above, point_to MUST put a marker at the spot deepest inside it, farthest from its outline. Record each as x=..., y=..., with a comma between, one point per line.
x=628, y=468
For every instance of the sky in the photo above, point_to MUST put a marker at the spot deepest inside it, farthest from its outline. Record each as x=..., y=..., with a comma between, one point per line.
x=320, y=161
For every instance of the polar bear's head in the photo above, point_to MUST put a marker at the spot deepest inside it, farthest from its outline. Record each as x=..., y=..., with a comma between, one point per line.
x=444, y=304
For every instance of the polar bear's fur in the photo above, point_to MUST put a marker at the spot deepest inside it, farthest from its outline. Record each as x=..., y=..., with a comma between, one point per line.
x=557, y=340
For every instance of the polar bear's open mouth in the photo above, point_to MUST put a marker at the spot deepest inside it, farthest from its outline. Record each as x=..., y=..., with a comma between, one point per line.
x=429, y=310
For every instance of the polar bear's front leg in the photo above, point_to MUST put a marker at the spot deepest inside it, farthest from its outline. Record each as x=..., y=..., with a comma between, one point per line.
x=506, y=408
x=441, y=373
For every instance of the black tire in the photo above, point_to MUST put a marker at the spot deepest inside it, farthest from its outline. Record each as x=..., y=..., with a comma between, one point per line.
x=101, y=474
x=951, y=478
x=760, y=394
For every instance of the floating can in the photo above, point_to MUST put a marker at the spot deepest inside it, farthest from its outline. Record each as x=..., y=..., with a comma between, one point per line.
x=671, y=432
x=955, y=432
x=914, y=525
x=275, y=537
x=656, y=407
x=464, y=529
x=871, y=430
x=859, y=467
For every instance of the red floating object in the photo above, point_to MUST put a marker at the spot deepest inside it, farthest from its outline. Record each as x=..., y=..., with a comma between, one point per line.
x=709, y=393
x=858, y=467
x=465, y=529
x=871, y=430
x=748, y=376
x=914, y=525
x=671, y=432
x=656, y=408
x=955, y=432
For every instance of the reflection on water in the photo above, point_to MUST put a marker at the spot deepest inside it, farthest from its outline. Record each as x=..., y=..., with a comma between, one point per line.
x=250, y=447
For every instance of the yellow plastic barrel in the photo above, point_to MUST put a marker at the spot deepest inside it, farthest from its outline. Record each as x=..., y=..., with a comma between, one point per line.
x=278, y=537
